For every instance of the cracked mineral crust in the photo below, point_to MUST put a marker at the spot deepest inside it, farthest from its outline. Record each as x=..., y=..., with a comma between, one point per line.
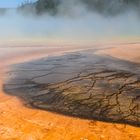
x=80, y=84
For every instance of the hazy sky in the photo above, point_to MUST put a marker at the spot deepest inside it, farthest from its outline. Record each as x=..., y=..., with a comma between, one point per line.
x=11, y=3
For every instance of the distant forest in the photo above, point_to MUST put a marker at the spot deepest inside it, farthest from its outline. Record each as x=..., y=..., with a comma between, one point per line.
x=111, y=7
x=2, y=11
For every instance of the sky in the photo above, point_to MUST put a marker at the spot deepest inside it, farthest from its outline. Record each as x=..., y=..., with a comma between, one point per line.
x=11, y=3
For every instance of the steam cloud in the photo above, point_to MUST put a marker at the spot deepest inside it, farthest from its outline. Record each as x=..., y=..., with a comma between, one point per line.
x=74, y=22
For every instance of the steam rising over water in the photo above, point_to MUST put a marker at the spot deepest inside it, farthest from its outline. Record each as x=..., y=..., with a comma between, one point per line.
x=86, y=28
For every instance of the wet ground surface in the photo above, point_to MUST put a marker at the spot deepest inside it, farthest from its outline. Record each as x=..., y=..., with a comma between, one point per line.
x=80, y=84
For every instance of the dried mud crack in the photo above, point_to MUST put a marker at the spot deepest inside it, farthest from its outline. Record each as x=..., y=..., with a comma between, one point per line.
x=82, y=85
